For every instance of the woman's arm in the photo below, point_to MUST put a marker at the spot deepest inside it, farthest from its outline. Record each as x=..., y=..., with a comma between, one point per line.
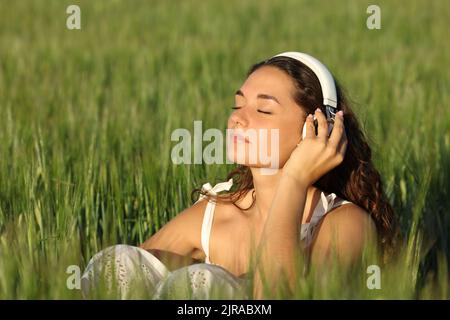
x=280, y=239
x=172, y=260
x=178, y=239
x=279, y=245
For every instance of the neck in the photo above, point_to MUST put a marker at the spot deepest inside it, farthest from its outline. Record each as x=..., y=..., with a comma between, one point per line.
x=265, y=187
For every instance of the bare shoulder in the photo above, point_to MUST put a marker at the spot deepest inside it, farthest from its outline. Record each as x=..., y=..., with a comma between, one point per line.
x=346, y=229
x=350, y=218
x=228, y=211
x=181, y=234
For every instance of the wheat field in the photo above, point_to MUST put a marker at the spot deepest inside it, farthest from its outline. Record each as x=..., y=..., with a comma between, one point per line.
x=86, y=117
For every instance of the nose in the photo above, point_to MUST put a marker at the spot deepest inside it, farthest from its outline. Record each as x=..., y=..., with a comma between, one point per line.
x=239, y=119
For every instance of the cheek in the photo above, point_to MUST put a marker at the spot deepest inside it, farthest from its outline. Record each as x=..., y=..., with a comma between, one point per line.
x=267, y=129
x=229, y=123
x=290, y=136
x=291, y=126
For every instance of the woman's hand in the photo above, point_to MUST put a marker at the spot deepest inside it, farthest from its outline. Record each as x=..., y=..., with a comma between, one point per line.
x=317, y=154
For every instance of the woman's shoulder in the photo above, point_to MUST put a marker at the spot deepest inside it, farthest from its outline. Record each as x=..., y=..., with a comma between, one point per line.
x=224, y=209
x=349, y=215
x=347, y=228
x=227, y=210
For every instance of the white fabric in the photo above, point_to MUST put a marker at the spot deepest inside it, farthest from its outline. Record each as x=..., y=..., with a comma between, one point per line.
x=118, y=266
x=201, y=281
x=136, y=268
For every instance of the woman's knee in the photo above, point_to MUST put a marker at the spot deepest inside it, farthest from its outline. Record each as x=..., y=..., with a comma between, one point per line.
x=200, y=281
x=120, y=267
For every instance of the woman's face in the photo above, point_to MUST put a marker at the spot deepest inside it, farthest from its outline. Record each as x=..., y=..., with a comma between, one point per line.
x=264, y=105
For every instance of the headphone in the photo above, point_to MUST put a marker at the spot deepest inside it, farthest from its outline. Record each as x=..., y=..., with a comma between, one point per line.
x=326, y=83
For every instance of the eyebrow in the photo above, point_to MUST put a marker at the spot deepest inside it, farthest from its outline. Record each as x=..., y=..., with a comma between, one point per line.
x=259, y=96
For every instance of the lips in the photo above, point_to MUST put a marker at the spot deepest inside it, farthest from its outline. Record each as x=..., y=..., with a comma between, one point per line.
x=239, y=138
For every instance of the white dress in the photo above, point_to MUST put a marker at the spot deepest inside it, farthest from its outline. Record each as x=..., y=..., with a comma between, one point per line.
x=125, y=268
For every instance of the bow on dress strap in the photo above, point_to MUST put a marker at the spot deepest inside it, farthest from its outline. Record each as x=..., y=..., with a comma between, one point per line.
x=223, y=186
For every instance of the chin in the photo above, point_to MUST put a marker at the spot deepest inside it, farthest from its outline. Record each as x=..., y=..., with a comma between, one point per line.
x=246, y=161
x=251, y=155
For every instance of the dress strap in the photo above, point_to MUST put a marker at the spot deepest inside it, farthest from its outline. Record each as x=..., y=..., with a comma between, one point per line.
x=209, y=212
x=325, y=204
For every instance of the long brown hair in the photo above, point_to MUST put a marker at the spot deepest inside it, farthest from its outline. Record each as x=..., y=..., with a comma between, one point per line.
x=355, y=179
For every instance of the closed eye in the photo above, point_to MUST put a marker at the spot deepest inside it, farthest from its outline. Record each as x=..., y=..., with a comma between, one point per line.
x=261, y=111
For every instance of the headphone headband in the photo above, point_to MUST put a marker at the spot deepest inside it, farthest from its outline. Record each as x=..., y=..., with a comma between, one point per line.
x=323, y=74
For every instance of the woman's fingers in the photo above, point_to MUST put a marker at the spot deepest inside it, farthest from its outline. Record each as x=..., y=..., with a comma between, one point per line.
x=337, y=140
x=322, y=130
x=310, y=130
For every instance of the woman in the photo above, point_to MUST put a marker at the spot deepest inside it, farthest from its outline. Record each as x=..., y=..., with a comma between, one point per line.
x=326, y=197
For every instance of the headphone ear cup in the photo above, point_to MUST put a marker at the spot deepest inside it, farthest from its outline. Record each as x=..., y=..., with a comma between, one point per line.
x=330, y=128
x=331, y=114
